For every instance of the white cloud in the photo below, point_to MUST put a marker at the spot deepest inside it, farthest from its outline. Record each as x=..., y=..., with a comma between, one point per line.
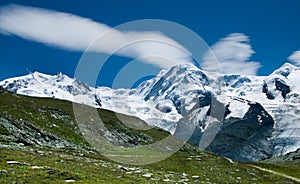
x=233, y=53
x=295, y=58
x=75, y=33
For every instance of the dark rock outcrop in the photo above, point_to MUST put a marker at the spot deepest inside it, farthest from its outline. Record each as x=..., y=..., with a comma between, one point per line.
x=245, y=139
x=283, y=87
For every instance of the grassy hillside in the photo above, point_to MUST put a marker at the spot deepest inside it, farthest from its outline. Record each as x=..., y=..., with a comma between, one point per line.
x=287, y=164
x=41, y=143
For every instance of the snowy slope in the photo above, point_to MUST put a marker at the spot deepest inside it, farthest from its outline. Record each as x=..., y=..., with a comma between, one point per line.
x=284, y=110
x=58, y=86
x=186, y=92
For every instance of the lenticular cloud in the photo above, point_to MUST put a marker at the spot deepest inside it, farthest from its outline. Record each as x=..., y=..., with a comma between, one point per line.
x=71, y=32
x=295, y=58
x=233, y=53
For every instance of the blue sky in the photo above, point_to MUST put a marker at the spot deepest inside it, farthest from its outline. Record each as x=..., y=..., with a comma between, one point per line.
x=272, y=28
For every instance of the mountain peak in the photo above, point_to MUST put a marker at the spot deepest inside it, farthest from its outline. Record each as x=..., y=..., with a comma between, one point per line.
x=181, y=68
x=37, y=75
x=288, y=65
x=285, y=69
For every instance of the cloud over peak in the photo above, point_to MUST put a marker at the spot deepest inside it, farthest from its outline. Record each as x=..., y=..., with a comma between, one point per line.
x=295, y=58
x=233, y=53
x=71, y=32
x=75, y=33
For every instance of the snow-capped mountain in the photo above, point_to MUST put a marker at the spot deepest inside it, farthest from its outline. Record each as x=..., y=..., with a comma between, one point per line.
x=279, y=94
x=241, y=117
x=58, y=86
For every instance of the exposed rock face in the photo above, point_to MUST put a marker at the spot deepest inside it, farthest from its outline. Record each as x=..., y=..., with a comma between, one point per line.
x=247, y=138
x=22, y=131
x=268, y=93
x=283, y=87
